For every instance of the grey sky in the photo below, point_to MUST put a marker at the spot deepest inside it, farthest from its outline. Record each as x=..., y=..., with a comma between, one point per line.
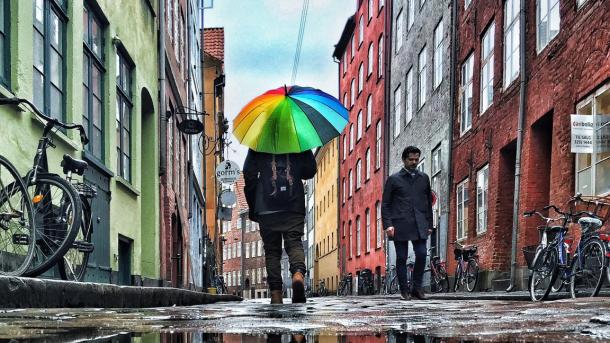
x=260, y=42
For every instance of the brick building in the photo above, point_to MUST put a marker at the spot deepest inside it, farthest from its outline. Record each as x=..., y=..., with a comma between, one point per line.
x=567, y=65
x=360, y=57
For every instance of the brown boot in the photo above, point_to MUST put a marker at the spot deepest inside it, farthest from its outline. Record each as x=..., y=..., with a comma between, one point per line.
x=298, y=288
x=276, y=297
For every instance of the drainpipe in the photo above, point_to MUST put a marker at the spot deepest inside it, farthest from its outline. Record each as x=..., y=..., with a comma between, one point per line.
x=339, y=184
x=162, y=117
x=386, y=85
x=452, y=92
x=522, y=76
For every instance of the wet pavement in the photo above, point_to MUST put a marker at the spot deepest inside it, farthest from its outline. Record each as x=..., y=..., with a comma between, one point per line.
x=330, y=319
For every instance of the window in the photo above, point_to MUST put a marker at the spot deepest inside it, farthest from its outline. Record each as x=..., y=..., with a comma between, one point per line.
x=580, y=2
x=423, y=66
x=247, y=248
x=5, y=52
x=344, y=146
x=359, y=174
x=343, y=235
x=360, y=78
x=548, y=21
x=378, y=146
x=421, y=166
x=593, y=170
x=359, y=124
x=466, y=96
x=421, y=3
x=351, y=183
x=260, y=248
x=511, y=41
x=439, y=36
x=358, y=241
x=487, y=68
x=123, y=116
x=409, y=96
x=367, y=233
x=253, y=246
x=378, y=224
x=351, y=137
x=353, y=92
x=399, y=33
x=380, y=57
x=344, y=63
x=49, y=58
x=371, y=60
x=482, y=186
x=361, y=31
x=411, y=18
x=467, y=3
x=369, y=111
x=224, y=252
x=462, y=209
x=343, y=190
x=351, y=244
x=368, y=163
x=397, y=111
x=353, y=47
x=381, y=3
x=239, y=247
x=370, y=12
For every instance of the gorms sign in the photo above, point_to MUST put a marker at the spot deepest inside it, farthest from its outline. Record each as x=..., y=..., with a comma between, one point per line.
x=227, y=172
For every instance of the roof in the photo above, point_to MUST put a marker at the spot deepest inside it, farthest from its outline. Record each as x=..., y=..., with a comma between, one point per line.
x=214, y=42
x=348, y=30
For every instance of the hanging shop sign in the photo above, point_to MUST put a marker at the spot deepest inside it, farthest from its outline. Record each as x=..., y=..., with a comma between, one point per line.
x=583, y=130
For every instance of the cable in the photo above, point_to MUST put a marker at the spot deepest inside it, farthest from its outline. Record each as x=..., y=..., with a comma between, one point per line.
x=297, y=54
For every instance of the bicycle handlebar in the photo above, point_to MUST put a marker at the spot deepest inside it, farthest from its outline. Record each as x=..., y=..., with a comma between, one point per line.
x=16, y=101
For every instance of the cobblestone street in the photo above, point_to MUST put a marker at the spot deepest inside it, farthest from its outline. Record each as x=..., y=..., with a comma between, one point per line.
x=351, y=319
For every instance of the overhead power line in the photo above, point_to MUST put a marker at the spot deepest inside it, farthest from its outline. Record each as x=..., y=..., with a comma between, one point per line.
x=297, y=54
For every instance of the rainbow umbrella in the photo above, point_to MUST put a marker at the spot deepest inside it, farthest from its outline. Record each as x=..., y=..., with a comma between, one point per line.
x=290, y=120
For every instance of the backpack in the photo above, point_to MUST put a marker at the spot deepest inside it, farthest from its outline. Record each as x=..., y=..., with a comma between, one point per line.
x=278, y=186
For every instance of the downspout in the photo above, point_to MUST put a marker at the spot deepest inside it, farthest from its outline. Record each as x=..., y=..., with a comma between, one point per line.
x=386, y=83
x=452, y=95
x=339, y=184
x=520, y=124
x=162, y=116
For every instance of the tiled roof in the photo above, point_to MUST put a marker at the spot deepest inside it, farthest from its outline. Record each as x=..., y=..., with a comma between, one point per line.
x=214, y=42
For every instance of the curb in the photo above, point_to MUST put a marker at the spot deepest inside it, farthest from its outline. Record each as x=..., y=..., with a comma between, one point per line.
x=21, y=292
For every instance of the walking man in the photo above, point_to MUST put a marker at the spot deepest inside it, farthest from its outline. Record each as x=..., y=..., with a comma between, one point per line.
x=276, y=200
x=407, y=216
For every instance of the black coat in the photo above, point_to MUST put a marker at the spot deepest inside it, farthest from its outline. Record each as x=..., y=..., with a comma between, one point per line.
x=407, y=205
x=258, y=165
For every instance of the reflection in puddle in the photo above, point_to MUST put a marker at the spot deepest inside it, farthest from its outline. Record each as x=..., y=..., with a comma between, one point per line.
x=199, y=337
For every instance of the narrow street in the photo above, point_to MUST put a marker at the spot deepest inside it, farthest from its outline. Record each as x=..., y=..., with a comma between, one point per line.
x=333, y=319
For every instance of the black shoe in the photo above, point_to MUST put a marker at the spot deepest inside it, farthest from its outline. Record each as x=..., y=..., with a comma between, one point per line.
x=406, y=296
x=419, y=294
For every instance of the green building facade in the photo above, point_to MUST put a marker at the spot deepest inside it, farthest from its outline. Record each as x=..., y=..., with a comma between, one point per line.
x=94, y=63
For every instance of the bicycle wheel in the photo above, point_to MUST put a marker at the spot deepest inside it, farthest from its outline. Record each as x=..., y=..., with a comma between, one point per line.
x=73, y=265
x=57, y=216
x=393, y=285
x=458, y=276
x=17, y=230
x=441, y=280
x=544, y=273
x=588, y=271
x=472, y=275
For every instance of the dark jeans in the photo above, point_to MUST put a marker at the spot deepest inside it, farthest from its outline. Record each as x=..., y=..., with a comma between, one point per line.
x=402, y=251
x=289, y=227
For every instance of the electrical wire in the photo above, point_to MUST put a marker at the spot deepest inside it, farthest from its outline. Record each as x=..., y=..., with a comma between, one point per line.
x=297, y=54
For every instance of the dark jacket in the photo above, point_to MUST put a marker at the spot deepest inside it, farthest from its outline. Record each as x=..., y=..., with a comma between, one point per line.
x=258, y=166
x=407, y=205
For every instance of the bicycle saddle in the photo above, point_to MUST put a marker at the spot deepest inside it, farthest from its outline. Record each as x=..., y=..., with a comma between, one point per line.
x=589, y=223
x=73, y=165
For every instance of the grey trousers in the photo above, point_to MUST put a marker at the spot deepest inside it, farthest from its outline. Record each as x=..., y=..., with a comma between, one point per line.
x=289, y=227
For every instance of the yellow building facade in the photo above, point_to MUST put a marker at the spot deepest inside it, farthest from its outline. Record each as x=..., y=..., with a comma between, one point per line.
x=326, y=266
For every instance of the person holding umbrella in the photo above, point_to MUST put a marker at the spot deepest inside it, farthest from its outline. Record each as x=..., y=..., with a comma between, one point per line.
x=281, y=127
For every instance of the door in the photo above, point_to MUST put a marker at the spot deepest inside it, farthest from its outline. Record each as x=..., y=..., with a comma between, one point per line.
x=124, y=273
x=98, y=268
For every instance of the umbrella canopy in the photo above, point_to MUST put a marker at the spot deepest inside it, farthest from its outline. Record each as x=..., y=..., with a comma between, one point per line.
x=290, y=120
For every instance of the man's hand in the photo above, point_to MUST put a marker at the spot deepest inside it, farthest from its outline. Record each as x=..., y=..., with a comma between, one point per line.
x=390, y=231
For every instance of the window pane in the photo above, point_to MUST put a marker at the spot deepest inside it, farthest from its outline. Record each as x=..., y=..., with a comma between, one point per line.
x=38, y=90
x=56, y=33
x=85, y=25
x=38, y=51
x=97, y=112
x=96, y=38
x=39, y=14
x=56, y=103
x=56, y=64
x=96, y=80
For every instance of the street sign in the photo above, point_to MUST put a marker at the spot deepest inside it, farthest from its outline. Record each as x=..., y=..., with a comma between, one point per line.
x=583, y=130
x=227, y=172
x=228, y=198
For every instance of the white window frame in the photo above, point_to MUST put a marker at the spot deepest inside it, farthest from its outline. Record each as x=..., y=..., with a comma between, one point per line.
x=579, y=3
x=247, y=249
x=358, y=236
x=359, y=125
x=379, y=225
x=353, y=92
x=345, y=103
x=351, y=241
x=369, y=110
x=487, y=68
x=467, y=3
x=358, y=174
x=462, y=210
x=344, y=146
x=511, y=41
x=360, y=78
x=380, y=57
x=351, y=137
x=361, y=31
x=466, y=92
x=422, y=81
x=344, y=63
x=397, y=110
x=367, y=232
x=353, y=47
x=370, y=10
x=398, y=38
x=378, y=146
x=351, y=183
x=368, y=164
x=409, y=96
x=482, y=198
x=371, y=59
x=344, y=191
x=551, y=13
x=439, y=38
x=380, y=6
x=411, y=14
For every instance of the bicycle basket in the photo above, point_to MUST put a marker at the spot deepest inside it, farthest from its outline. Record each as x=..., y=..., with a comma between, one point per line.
x=529, y=253
x=85, y=189
x=599, y=206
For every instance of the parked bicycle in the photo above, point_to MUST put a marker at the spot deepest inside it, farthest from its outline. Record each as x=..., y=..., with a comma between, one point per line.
x=439, y=279
x=322, y=290
x=467, y=270
x=55, y=202
x=552, y=267
x=365, y=282
x=390, y=281
x=219, y=283
x=345, y=286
